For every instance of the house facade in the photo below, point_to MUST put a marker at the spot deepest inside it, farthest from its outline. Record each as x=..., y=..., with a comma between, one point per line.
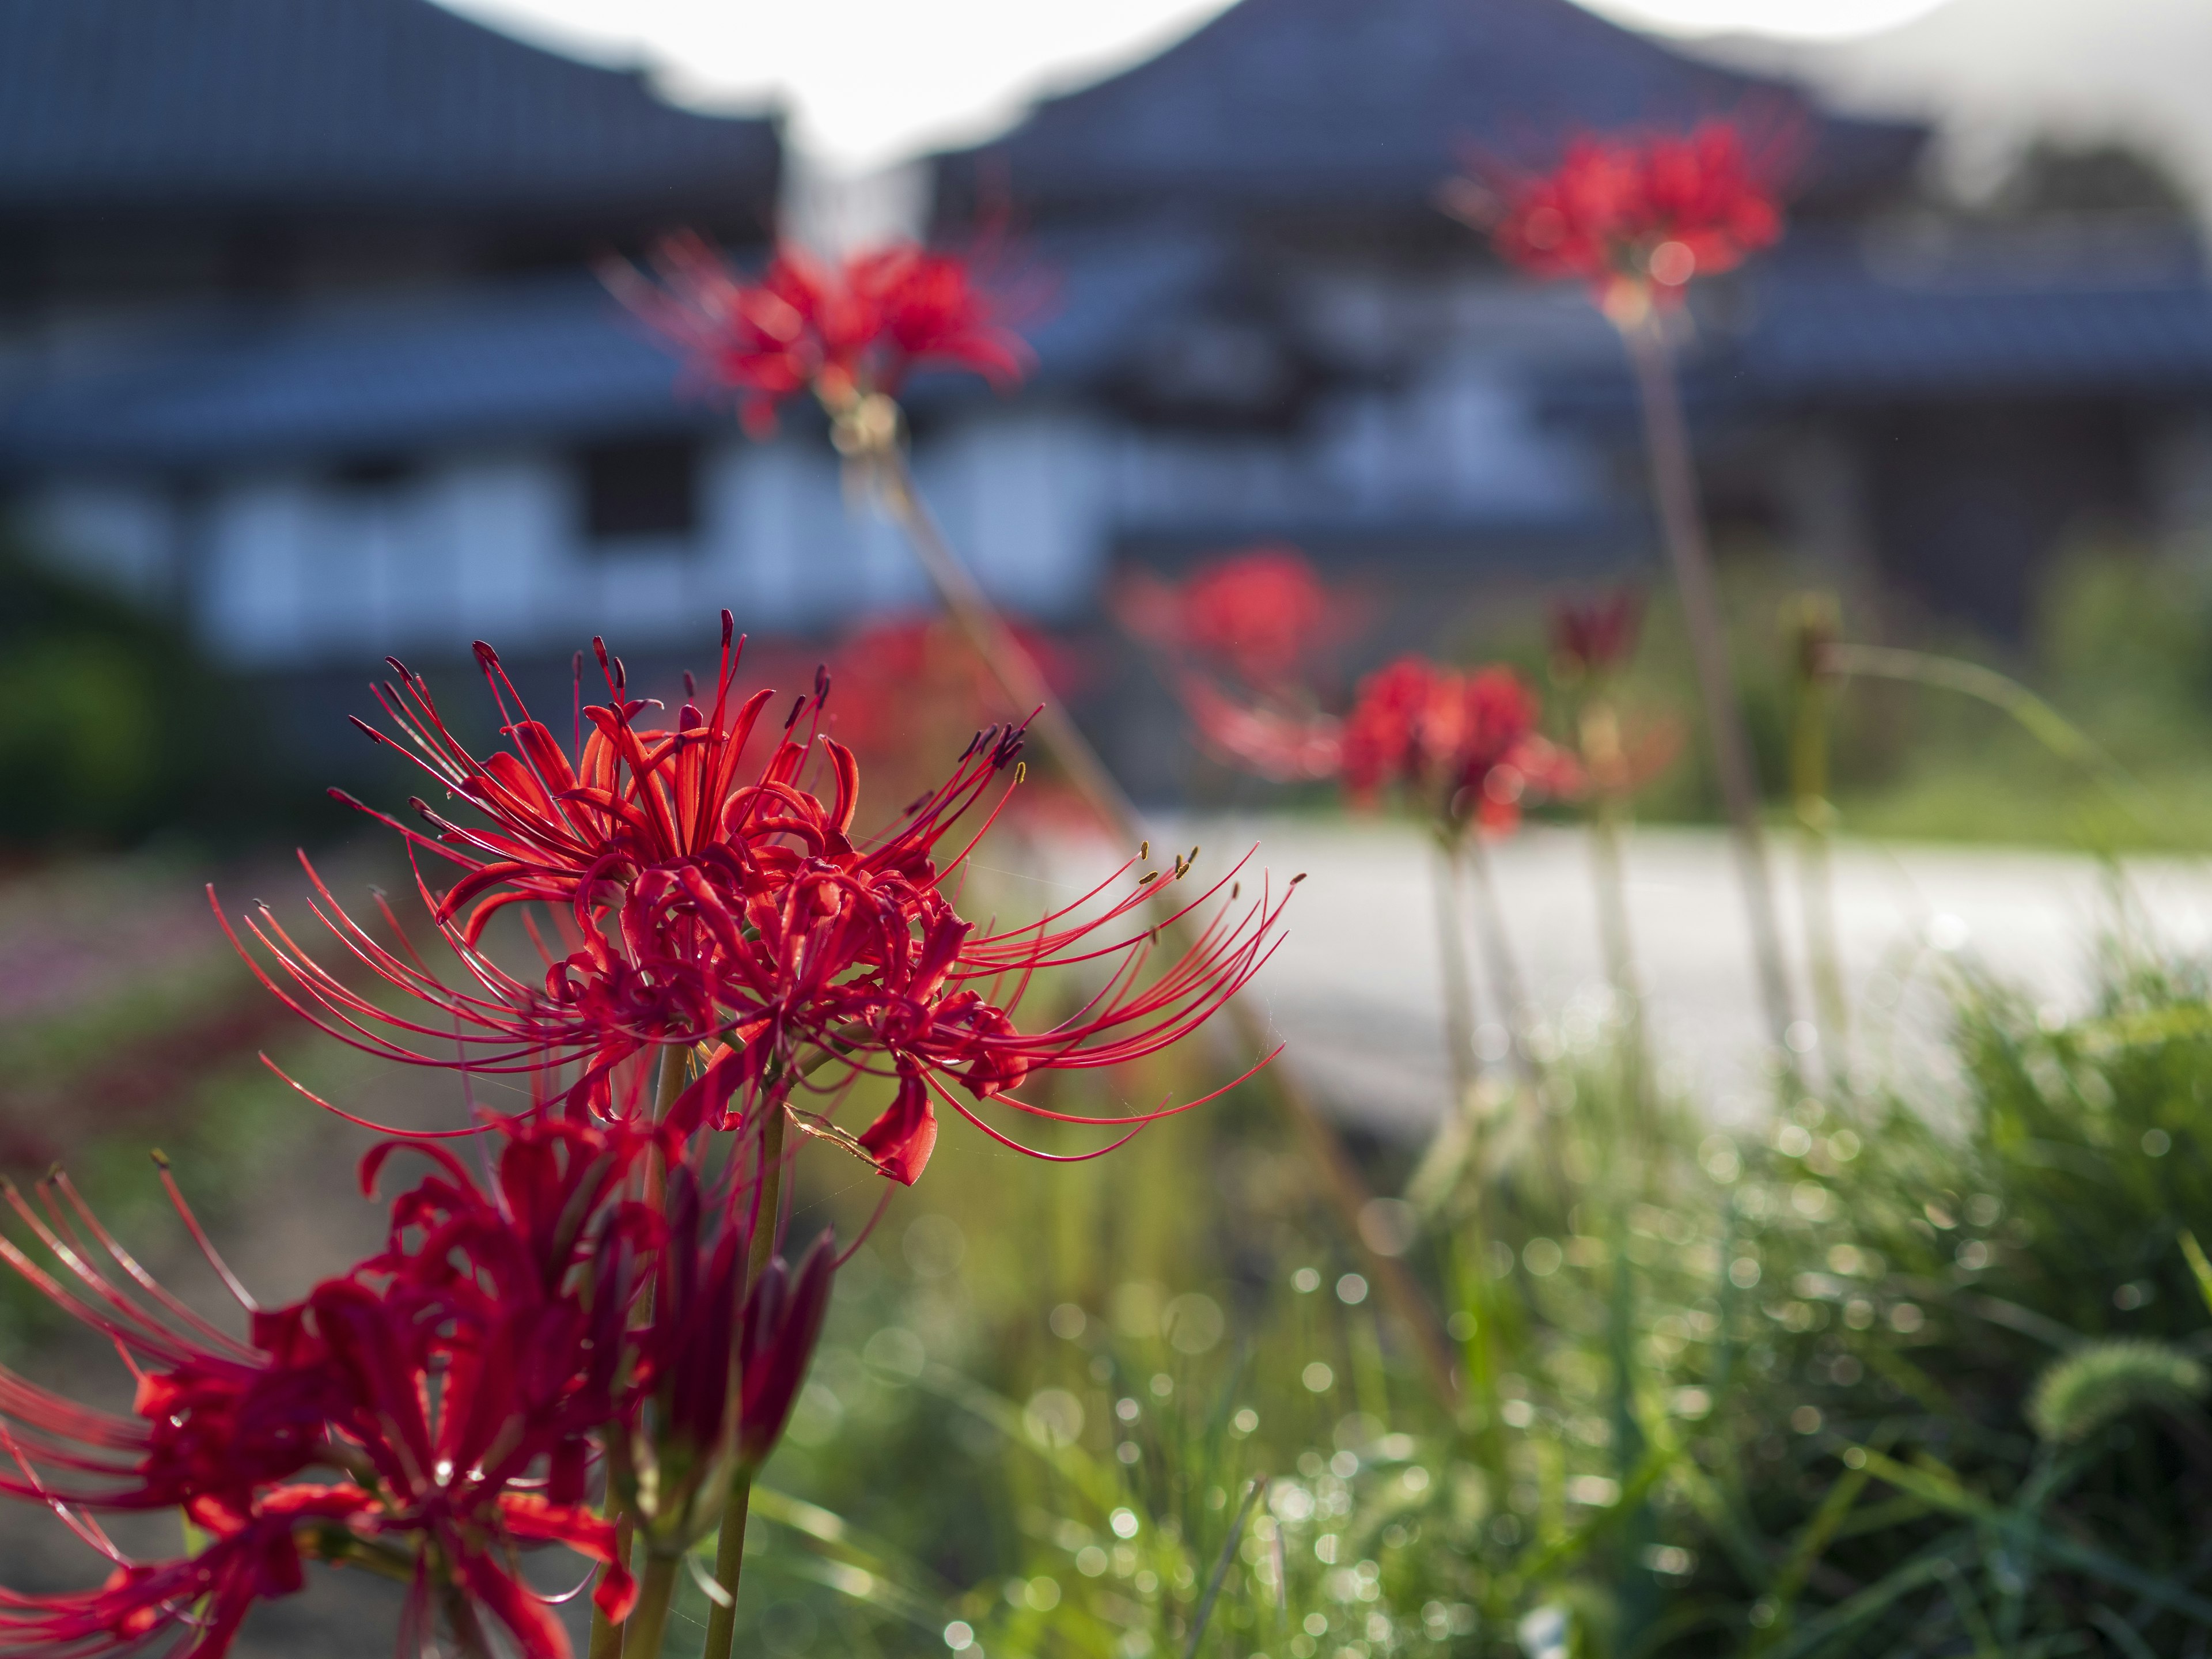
x=298, y=338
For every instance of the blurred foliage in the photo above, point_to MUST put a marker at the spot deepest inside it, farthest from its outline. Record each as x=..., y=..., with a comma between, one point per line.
x=2050, y=177
x=2120, y=646
x=113, y=730
x=1730, y=1392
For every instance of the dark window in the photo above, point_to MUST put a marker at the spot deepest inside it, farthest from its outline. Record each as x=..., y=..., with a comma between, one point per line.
x=648, y=489
x=369, y=474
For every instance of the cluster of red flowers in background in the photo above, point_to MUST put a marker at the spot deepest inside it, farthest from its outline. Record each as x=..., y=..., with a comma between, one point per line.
x=1247, y=640
x=1464, y=745
x=841, y=331
x=595, y=1317
x=1635, y=217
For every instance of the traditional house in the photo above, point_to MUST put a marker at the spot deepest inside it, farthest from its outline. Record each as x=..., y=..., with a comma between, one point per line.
x=1348, y=369
x=298, y=335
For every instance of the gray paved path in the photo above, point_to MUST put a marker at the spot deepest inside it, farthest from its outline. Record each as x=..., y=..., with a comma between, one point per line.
x=1354, y=990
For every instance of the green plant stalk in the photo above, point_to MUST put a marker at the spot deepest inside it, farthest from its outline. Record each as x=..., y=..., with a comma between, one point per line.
x=877, y=450
x=1458, y=976
x=1221, y=1566
x=1478, y=1299
x=2200, y=1269
x=1674, y=487
x=2046, y=724
x=1610, y=883
x=1506, y=982
x=1808, y=787
x=729, y=1544
x=607, y=1639
x=647, y=1624
x=1638, y=1606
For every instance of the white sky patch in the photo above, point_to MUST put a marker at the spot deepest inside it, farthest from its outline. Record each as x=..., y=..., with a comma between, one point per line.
x=1799, y=20
x=867, y=82
x=873, y=82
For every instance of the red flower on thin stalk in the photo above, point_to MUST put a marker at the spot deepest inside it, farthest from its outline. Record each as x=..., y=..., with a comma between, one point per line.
x=751, y=915
x=440, y=1495
x=843, y=332
x=1466, y=745
x=1635, y=216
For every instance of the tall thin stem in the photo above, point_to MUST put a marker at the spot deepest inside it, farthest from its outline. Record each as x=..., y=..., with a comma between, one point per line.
x=1610, y=881
x=1505, y=966
x=1458, y=976
x=608, y=1641
x=648, y=1621
x=729, y=1565
x=1673, y=484
x=730, y=1546
x=1010, y=664
x=1808, y=784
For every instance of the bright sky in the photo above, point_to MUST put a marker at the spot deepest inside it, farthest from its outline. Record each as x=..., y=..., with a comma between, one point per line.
x=872, y=80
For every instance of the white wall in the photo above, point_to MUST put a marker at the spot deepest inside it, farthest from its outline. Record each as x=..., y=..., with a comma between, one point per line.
x=114, y=530
x=290, y=568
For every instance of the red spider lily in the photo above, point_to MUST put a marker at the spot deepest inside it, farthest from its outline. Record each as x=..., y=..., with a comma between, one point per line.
x=699, y=910
x=1635, y=217
x=1594, y=634
x=198, y=1601
x=1262, y=615
x=441, y=1397
x=719, y=1364
x=842, y=333
x=1466, y=743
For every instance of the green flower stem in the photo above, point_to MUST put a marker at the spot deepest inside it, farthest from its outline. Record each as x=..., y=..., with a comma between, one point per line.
x=607, y=1639
x=1674, y=485
x=729, y=1562
x=649, y=1622
x=730, y=1547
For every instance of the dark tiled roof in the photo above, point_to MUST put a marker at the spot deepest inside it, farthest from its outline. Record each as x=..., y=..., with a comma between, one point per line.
x=340, y=105
x=1839, y=336
x=1371, y=103
x=553, y=360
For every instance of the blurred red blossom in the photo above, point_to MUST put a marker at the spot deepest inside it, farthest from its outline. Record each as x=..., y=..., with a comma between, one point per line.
x=1248, y=639
x=1635, y=216
x=1263, y=615
x=1594, y=634
x=1465, y=745
x=842, y=332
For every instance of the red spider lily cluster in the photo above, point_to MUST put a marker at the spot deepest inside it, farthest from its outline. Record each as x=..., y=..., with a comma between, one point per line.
x=1247, y=640
x=596, y=1341
x=1635, y=217
x=1464, y=746
x=841, y=332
